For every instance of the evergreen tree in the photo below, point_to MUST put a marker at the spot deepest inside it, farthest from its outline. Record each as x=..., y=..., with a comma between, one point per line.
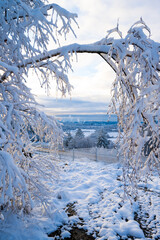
x=68, y=141
x=79, y=139
x=101, y=140
x=79, y=134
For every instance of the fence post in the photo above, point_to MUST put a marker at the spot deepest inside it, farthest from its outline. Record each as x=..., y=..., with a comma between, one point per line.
x=96, y=153
x=73, y=154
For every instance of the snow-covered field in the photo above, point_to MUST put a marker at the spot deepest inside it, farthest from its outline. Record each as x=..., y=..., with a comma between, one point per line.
x=89, y=195
x=87, y=132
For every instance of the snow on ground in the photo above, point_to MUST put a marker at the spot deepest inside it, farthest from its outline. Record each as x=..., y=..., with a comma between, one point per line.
x=99, y=200
x=93, y=194
x=88, y=132
x=113, y=136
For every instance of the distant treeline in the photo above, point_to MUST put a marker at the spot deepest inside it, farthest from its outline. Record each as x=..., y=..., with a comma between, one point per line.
x=109, y=126
x=99, y=138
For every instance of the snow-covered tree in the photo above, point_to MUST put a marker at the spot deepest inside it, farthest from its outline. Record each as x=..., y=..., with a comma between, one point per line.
x=102, y=140
x=68, y=141
x=79, y=134
x=26, y=27
x=79, y=139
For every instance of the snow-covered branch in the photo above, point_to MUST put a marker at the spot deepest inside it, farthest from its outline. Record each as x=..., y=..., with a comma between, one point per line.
x=63, y=51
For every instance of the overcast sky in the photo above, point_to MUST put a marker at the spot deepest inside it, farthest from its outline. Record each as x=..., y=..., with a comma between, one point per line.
x=92, y=78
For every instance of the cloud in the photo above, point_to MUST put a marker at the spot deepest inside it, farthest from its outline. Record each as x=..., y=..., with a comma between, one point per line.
x=96, y=17
x=94, y=81
x=54, y=106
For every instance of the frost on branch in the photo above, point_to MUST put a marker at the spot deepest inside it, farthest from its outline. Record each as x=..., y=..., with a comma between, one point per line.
x=13, y=188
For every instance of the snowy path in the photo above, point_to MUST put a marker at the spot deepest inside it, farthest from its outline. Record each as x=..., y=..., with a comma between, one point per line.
x=97, y=198
x=89, y=195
